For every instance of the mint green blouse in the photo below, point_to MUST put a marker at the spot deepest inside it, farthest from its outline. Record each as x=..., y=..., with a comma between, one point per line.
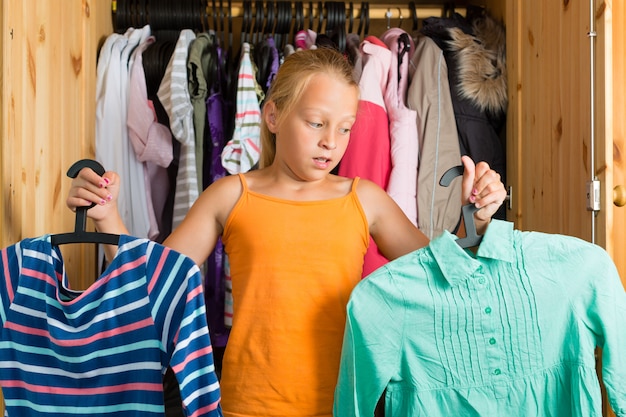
x=510, y=331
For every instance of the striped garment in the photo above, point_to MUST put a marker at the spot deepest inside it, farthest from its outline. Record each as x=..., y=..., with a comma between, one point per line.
x=174, y=96
x=243, y=151
x=103, y=351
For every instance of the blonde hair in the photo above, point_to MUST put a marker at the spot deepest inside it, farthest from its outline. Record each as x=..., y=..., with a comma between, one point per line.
x=291, y=80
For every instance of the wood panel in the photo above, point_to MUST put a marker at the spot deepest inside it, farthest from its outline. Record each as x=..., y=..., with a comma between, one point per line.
x=48, y=113
x=618, y=137
x=612, y=169
x=552, y=127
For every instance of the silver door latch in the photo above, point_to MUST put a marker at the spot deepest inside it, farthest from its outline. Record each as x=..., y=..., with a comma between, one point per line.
x=593, y=195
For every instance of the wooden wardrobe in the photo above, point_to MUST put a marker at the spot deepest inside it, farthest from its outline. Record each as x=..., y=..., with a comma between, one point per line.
x=559, y=76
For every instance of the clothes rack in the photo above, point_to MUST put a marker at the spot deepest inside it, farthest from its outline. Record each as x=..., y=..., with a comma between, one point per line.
x=200, y=15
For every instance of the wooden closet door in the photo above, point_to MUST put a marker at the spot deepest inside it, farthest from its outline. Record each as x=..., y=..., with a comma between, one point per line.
x=613, y=138
x=611, y=131
x=549, y=125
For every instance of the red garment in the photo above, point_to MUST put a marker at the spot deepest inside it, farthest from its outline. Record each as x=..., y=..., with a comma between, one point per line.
x=369, y=151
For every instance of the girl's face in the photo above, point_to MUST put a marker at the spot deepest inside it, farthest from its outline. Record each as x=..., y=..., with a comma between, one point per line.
x=312, y=138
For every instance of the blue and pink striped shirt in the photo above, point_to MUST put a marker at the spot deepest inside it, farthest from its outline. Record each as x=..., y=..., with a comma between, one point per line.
x=103, y=351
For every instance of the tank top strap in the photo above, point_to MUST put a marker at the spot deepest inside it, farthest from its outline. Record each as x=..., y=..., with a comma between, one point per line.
x=244, y=184
x=355, y=182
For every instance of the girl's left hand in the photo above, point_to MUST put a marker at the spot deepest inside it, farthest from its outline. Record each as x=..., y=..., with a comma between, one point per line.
x=483, y=187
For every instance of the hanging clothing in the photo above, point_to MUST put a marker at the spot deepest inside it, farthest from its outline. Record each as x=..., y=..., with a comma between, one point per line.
x=113, y=148
x=404, y=146
x=243, y=151
x=266, y=57
x=511, y=330
x=103, y=351
x=202, y=69
x=155, y=59
x=214, y=277
x=174, y=96
x=151, y=140
x=368, y=154
x=438, y=207
x=300, y=299
x=474, y=49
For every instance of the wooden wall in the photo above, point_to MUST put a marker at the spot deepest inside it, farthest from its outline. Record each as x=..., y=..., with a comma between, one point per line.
x=49, y=55
x=549, y=148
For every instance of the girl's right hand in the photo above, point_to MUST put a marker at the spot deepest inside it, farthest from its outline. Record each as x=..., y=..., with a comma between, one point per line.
x=89, y=187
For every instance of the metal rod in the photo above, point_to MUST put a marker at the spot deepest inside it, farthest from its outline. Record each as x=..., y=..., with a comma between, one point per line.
x=592, y=165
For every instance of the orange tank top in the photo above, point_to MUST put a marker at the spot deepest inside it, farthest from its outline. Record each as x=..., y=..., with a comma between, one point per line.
x=293, y=266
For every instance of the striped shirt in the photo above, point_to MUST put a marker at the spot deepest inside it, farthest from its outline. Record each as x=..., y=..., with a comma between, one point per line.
x=174, y=96
x=243, y=151
x=103, y=351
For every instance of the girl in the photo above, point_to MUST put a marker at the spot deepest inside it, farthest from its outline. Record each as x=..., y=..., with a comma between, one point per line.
x=295, y=235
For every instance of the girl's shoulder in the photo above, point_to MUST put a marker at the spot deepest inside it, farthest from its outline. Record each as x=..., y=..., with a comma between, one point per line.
x=368, y=189
x=221, y=196
x=373, y=198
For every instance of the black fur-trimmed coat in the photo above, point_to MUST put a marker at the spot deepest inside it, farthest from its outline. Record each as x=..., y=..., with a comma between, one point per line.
x=474, y=49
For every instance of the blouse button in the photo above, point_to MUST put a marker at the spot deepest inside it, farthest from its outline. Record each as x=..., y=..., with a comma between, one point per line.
x=488, y=310
x=492, y=341
x=497, y=371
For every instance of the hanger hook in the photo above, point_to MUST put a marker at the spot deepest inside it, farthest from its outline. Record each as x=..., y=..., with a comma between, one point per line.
x=73, y=171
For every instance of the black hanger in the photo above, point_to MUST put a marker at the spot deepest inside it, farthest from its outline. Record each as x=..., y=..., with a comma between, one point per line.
x=414, y=19
x=320, y=16
x=337, y=28
x=222, y=27
x=471, y=237
x=80, y=235
x=311, y=13
x=350, y=17
x=246, y=24
x=283, y=24
x=268, y=28
x=331, y=17
x=364, y=20
x=299, y=23
x=230, y=27
x=258, y=21
x=214, y=14
x=404, y=50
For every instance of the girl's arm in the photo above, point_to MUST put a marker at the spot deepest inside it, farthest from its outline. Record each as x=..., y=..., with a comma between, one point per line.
x=395, y=235
x=195, y=236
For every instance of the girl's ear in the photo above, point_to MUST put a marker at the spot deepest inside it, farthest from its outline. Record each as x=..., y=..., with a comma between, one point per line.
x=269, y=114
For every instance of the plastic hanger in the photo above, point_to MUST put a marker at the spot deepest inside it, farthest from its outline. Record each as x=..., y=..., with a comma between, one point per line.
x=350, y=17
x=414, y=19
x=80, y=235
x=320, y=16
x=299, y=23
x=230, y=27
x=283, y=24
x=472, y=238
x=258, y=21
x=364, y=20
x=246, y=24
